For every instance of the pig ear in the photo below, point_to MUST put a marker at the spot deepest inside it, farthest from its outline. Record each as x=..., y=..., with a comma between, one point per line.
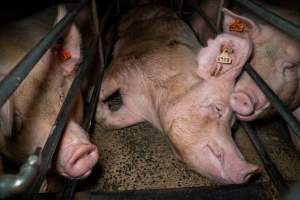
x=224, y=57
x=6, y=118
x=69, y=55
x=239, y=25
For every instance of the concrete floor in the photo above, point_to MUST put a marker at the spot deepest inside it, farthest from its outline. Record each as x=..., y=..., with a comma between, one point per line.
x=139, y=157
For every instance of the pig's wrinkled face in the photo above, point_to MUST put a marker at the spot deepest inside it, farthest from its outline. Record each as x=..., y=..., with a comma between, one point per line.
x=200, y=129
x=275, y=58
x=201, y=135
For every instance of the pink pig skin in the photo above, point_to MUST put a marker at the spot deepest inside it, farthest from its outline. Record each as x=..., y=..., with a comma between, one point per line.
x=34, y=106
x=276, y=58
x=162, y=80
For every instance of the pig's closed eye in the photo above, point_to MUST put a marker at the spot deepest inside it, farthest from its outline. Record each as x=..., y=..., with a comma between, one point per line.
x=286, y=66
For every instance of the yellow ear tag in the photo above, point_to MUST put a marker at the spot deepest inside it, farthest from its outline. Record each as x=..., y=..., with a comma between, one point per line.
x=237, y=26
x=224, y=57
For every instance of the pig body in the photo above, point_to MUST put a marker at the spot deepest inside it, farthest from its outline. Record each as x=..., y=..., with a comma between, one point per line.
x=162, y=80
x=276, y=58
x=30, y=112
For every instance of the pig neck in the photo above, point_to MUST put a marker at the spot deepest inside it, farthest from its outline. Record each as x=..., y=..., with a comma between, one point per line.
x=43, y=88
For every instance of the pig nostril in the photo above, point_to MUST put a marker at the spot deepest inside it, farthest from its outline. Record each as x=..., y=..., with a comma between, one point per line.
x=241, y=103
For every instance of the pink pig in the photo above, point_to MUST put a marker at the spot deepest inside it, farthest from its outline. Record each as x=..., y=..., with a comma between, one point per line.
x=185, y=94
x=276, y=58
x=27, y=116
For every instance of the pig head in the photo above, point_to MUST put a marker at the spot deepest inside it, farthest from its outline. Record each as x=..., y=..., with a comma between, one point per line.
x=276, y=58
x=27, y=116
x=162, y=80
x=200, y=122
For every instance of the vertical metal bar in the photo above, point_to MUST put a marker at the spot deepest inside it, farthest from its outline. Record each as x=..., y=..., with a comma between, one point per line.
x=118, y=8
x=15, y=77
x=179, y=7
x=272, y=18
x=290, y=119
x=70, y=188
x=59, y=124
x=219, y=16
x=268, y=164
x=209, y=21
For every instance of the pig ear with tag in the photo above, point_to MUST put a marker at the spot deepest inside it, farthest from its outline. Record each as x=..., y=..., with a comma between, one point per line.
x=224, y=57
x=68, y=50
x=242, y=26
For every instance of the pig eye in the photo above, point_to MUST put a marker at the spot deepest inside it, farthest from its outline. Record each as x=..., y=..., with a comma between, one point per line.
x=286, y=66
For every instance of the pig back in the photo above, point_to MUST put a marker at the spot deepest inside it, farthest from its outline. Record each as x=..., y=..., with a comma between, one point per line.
x=152, y=31
x=17, y=38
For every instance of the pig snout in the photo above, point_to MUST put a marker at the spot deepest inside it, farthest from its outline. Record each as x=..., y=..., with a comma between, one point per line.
x=243, y=105
x=241, y=171
x=77, y=160
x=223, y=163
x=229, y=167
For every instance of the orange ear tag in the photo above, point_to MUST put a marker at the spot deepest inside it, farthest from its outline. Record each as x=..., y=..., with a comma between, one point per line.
x=64, y=55
x=61, y=53
x=237, y=26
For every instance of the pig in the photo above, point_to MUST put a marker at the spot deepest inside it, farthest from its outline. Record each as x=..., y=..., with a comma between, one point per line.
x=165, y=78
x=276, y=58
x=28, y=115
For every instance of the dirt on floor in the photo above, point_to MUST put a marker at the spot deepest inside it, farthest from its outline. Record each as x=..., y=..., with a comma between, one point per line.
x=139, y=157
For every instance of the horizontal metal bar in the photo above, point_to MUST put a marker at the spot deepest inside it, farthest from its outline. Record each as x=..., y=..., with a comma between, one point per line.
x=15, y=77
x=289, y=118
x=274, y=19
x=59, y=124
x=252, y=191
x=271, y=169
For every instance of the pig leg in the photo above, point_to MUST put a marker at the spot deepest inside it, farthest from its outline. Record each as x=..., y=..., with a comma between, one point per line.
x=117, y=119
x=121, y=118
x=294, y=137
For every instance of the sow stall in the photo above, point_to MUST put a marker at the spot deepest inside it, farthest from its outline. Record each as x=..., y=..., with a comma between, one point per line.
x=137, y=162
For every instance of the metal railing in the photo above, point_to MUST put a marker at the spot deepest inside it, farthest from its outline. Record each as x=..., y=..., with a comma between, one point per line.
x=9, y=84
x=15, y=77
x=289, y=118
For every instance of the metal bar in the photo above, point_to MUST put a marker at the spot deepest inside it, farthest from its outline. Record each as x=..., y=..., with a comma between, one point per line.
x=11, y=186
x=219, y=16
x=59, y=124
x=105, y=18
x=289, y=118
x=70, y=188
x=271, y=169
x=15, y=77
x=276, y=102
x=179, y=7
x=209, y=21
x=272, y=18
